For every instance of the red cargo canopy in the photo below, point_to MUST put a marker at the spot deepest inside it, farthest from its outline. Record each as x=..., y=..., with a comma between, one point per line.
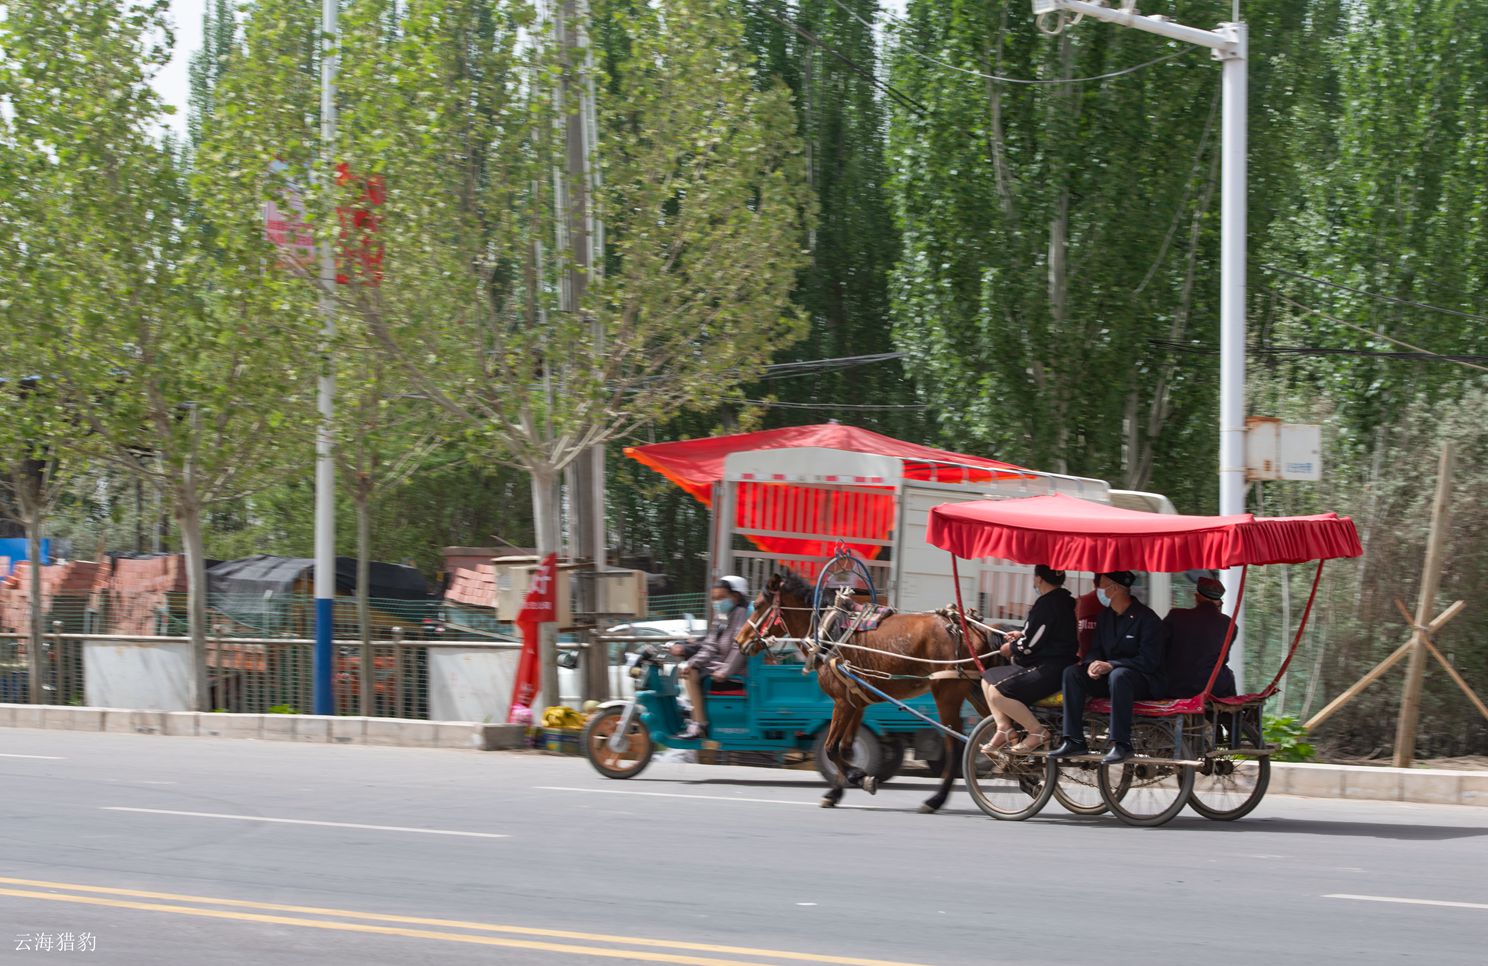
x=697, y=464
x=1072, y=534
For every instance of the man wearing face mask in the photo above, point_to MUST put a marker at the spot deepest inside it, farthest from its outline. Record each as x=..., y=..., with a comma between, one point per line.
x=716, y=655
x=1124, y=663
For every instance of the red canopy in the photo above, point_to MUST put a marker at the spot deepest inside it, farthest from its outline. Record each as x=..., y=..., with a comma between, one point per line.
x=1072, y=534
x=696, y=464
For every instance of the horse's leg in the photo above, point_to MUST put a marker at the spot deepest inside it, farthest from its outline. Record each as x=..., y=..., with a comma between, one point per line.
x=949, y=694
x=834, y=728
x=855, y=776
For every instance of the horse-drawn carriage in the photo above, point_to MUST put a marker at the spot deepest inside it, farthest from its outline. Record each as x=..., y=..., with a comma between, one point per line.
x=1203, y=751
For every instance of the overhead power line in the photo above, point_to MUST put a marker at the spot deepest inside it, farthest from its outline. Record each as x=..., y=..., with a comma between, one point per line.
x=850, y=407
x=1030, y=81
x=851, y=64
x=1378, y=335
x=1304, y=350
x=786, y=370
x=1374, y=295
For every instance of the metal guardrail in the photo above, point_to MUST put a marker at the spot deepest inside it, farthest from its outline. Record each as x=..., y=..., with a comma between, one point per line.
x=259, y=675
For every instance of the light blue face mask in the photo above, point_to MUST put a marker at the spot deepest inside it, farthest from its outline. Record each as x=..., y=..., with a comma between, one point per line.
x=1101, y=596
x=722, y=607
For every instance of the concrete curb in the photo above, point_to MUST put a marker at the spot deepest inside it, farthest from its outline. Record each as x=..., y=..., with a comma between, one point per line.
x=1426, y=786
x=322, y=729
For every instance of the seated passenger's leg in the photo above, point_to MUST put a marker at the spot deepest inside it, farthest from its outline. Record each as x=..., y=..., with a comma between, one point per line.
x=1127, y=686
x=693, y=681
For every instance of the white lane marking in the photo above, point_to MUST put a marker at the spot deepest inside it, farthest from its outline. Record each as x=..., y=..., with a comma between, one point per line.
x=1411, y=902
x=305, y=821
x=38, y=757
x=711, y=798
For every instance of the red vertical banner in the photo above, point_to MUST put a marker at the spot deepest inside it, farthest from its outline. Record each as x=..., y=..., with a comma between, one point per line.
x=540, y=607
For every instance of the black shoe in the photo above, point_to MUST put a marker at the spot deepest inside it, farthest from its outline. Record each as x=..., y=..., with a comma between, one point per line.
x=1120, y=751
x=1069, y=748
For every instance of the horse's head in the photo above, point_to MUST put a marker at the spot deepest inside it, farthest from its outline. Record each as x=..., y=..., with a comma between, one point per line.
x=782, y=609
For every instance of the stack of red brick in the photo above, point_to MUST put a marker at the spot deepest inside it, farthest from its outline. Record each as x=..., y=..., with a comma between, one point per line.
x=65, y=590
x=130, y=593
x=473, y=585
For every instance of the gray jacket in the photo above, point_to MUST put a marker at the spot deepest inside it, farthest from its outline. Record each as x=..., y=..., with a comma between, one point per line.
x=717, y=654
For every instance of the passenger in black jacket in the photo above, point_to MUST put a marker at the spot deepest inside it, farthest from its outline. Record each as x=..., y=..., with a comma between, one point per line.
x=1125, y=664
x=1040, y=652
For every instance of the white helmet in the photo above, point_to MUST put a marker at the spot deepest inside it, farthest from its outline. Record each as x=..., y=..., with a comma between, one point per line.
x=736, y=584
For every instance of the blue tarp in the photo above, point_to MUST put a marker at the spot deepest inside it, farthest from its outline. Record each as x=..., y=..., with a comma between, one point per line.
x=15, y=549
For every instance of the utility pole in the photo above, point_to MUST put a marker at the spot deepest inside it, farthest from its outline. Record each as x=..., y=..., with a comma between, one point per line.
x=325, y=466
x=1229, y=45
x=584, y=235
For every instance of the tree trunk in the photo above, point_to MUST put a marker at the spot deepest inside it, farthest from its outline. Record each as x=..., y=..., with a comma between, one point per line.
x=37, y=625
x=364, y=598
x=188, y=518
x=545, y=529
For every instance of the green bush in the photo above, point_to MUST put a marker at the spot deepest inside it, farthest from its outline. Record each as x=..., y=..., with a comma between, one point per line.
x=1288, y=737
x=284, y=709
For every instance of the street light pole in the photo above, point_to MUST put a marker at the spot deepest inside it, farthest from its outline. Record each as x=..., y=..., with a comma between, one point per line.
x=325, y=466
x=1229, y=45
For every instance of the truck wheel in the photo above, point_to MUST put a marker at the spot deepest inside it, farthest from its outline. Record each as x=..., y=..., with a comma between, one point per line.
x=893, y=757
x=635, y=753
x=867, y=754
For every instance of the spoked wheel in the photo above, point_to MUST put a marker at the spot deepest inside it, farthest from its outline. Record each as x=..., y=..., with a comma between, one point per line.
x=1142, y=793
x=1007, y=787
x=1077, y=785
x=1229, y=788
x=634, y=753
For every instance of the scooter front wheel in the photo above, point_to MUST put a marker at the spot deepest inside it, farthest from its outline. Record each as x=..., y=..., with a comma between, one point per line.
x=636, y=746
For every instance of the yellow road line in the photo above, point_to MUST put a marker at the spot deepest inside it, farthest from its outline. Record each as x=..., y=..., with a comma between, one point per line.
x=423, y=921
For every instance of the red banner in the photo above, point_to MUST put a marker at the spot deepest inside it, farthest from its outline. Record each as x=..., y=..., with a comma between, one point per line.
x=540, y=607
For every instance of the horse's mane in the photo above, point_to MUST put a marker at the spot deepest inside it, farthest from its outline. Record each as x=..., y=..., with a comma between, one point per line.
x=794, y=584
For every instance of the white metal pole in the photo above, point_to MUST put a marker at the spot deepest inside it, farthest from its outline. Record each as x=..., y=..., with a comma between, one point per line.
x=325, y=467
x=1232, y=304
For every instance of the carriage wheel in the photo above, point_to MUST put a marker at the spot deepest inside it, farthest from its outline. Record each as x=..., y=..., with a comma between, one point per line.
x=867, y=754
x=1007, y=787
x=1142, y=793
x=631, y=759
x=1077, y=788
x=1077, y=785
x=1229, y=788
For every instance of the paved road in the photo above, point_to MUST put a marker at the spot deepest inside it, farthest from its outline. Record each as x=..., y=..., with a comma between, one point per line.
x=184, y=851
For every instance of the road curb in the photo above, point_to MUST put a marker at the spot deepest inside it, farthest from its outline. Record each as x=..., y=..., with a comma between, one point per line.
x=1425, y=786
x=320, y=729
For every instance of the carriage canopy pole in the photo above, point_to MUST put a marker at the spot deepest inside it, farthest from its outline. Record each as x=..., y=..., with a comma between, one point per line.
x=961, y=613
x=1297, y=641
x=1224, y=651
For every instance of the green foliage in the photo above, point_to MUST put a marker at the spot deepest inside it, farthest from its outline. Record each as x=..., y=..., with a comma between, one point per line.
x=1289, y=737
x=284, y=709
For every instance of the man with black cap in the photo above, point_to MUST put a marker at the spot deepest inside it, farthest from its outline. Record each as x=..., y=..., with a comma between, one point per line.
x=1125, y=664
x=1196, y=636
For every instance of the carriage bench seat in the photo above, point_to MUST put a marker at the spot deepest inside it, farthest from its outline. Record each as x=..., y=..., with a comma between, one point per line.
x=731, y=688
x=1162, y=708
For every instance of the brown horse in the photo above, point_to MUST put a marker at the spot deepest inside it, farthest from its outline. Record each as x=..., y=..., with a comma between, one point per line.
x=912, y=645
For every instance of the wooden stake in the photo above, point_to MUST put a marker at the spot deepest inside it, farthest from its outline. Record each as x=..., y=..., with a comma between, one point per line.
x=1452, y=671
x=1436, y=548
x=1374, y=675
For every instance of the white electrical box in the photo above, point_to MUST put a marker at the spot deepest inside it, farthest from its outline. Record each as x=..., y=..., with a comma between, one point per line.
x=1282, y=451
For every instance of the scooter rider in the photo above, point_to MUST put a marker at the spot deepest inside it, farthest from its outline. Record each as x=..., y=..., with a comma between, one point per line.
x=716, y=655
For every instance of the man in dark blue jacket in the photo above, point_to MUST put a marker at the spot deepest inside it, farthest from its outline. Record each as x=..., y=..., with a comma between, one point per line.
x=1125, y=663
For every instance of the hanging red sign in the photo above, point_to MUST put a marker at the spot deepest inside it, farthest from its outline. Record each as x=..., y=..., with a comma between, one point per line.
x=540, y=607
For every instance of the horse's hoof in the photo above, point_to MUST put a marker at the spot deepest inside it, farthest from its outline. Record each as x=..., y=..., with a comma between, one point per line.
x=928, y=809
x=828, y=803
x=870, y=785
